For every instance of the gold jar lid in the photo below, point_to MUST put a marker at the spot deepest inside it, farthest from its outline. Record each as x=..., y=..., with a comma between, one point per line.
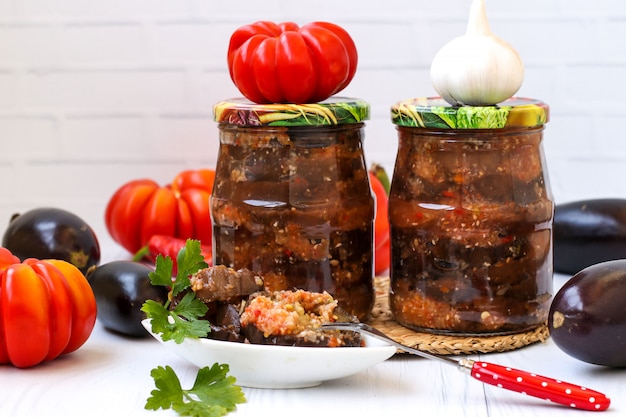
x=333, y=111
x=435, y=113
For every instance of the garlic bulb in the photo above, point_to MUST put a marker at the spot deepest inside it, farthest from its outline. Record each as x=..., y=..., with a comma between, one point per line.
x=478, y=68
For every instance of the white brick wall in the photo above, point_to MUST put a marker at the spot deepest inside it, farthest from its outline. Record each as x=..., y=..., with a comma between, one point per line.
x=95, y=93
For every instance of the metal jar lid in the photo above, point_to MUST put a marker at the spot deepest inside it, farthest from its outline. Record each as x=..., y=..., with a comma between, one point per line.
x=435, y=113
x=334, y=111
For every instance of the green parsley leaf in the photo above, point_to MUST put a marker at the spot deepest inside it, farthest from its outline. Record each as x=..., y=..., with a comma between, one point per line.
x=162, y=274
x=214, y=393
x=184, y=319
x=221, y=385
x=189, y=260
x=158, y=315
x=168, y=389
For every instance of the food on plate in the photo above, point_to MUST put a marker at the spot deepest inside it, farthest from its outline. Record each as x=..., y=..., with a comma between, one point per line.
x=142, y=208
x=240, y=310
x=294, y=318
x=223, y=290
x=209, y=302
x=220, y=283
x=587, y=316
x=47, y=309
x=121, y=288
x=52, y=233
x=286, y=63
x=588, y=232
x=477, y=68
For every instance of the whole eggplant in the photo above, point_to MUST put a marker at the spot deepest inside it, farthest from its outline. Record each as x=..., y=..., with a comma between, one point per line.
x=52, y=233
x=121, y=288
x=588, y=232
x=587, y=318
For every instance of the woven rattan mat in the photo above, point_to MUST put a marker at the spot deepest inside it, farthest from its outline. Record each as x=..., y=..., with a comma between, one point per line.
x=445, y=345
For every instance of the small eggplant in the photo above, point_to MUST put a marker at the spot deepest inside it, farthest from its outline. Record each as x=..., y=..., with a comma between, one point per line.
x=52, y=233
x=587, y=317
x=588, y=232
x=121, y=288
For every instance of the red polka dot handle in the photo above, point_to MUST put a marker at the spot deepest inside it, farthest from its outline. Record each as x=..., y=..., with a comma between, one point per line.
x=539, y=386
x=523, y=382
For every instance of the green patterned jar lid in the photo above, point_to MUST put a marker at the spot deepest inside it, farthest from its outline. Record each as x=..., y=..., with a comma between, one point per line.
x=435, y=113
x=334, y=111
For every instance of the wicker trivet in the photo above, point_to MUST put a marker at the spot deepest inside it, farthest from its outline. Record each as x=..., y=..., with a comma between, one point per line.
x=440, y=344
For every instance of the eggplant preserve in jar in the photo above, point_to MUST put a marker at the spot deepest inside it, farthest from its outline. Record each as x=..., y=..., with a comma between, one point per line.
x=470, y=212
x=292, y=199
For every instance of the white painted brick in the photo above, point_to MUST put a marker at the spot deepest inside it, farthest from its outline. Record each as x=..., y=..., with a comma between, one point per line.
x=597, y=8
x=243, y=12
x=191, y=43
x=105, y=90
x=105, y=45
x=212, y=87
x=587, y=178
x=8, y=90
x=595, y=87
x=7, y=184
x=27, y=137
x=393, y=47
x=381, y=88
x=194, y=137
x=568, y=135
x=611, y=44
x=543, y=41
x=608, y=137
x=106, y=137
x=100, y=10
x=540, y=82
x=28, y=45
x=95, y=93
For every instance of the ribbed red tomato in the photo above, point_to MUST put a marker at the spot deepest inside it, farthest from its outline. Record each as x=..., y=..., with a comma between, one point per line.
x=47, y=309
x=285, y=63
x=142, y=208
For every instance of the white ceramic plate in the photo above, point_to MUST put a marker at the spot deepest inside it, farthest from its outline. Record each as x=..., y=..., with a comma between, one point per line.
x=264, y=366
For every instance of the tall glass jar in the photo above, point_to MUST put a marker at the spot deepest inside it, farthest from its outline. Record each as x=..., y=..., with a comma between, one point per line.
x=292, y=199
x=470, y=212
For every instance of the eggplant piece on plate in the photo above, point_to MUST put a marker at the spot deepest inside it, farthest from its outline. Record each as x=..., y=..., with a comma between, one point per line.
x=223, y=290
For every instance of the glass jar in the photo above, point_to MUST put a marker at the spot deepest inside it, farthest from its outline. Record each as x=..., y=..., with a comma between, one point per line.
x=470, y=213
x=292, y=199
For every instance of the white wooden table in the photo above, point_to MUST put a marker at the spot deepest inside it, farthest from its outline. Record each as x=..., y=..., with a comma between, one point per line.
x=110, y=376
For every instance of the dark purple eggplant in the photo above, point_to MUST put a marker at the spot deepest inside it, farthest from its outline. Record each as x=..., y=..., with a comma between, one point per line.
x=588, y=232
x=588, y=315
x=52, y=233
x=121, y=288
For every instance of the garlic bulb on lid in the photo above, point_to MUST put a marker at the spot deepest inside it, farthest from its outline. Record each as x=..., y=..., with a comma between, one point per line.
x=478, y=68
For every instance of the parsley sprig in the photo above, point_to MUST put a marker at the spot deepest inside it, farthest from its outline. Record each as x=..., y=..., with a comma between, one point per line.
x=183, y=320
x=213, y=393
